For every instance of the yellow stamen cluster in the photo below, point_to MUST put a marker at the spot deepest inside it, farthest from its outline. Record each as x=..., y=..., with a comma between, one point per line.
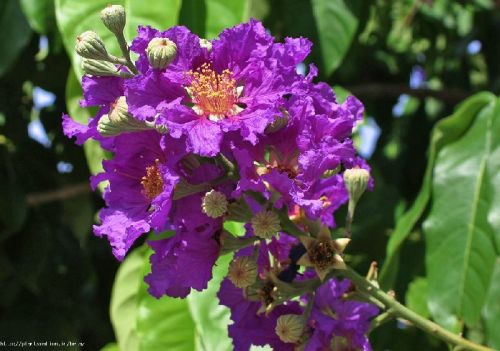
x=213, y=94
x=152, y=182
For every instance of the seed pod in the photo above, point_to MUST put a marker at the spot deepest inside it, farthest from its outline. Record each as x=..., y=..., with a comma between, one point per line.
x=266, y=224
x=290, y=328
x=214, y=204
x=242, y=271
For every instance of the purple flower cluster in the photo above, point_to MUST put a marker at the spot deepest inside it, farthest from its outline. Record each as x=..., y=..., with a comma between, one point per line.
x=228, y=130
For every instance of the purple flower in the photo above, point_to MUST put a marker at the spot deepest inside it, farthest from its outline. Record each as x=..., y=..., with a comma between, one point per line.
x=294, y=160
x=343, y=321
x=183, y=261
x=238, y=85
x=97, y=91
x=249, y=326
x=141, y=183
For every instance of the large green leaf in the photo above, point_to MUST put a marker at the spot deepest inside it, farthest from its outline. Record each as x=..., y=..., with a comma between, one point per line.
x=142, y=322
x=211, y=319
x=491, y=309
x=445, y=132
x=462, y=230
x=160, y=14
x=15, y=33
x=336, y=24
x=223, y=14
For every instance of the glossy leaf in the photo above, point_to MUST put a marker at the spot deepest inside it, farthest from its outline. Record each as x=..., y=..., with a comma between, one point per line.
x=336, y=23
x=15, y=33
x=416, y=296
x=142, y=322
x=491, y=309
x=211, y=319
x=462, y=227
x=446, y=131
x=222, y=14
x=160, y=14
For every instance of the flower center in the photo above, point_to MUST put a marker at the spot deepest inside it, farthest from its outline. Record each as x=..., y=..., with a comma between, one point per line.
x=152, y=182
x=213, y=94
x=322, y=254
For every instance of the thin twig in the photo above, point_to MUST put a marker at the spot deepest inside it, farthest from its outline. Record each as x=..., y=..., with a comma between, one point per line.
x=65, y=193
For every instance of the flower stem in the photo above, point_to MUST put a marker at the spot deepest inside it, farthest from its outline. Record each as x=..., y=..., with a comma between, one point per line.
x=401, y=311
x=126, y=52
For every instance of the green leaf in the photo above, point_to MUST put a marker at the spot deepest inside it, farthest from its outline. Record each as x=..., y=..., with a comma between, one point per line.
x=222, y=14
x=40, y=14
x=462, y=229
x=336, y=23
x=15, y=33
x=416, y=297
x=235, y=228
x=193, y=15
x=491, y=309
x=110, y=347
x=211, y=319
x=446, y=131
x=160, y=14
x=142, y=322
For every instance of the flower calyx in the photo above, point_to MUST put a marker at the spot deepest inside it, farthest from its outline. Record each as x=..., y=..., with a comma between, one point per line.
x=323, y=253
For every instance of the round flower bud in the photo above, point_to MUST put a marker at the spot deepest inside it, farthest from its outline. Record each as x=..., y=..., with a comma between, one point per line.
x=206, y=44
x=113, y=17
x=242, y=272
x=119, y=120
x=161, y=52
x=89, y=45
x=265, y=224
x=103, y=68
x=290, y=328
x=214, y=204
x=356, y=181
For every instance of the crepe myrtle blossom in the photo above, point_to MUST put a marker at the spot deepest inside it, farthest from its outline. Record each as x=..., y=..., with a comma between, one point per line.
x=302, y=161
x=237, y=83
x=336, y=323
x=202, y=132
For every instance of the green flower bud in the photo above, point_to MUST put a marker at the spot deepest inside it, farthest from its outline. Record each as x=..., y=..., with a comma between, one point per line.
x=161, y=52
x=242, y=272
x=119, y=120
x=214, y=204
x=103, y=68
x=113, y=17
x=356, y=181
x=266, y=224
x=89, y=45
x=290, y=328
